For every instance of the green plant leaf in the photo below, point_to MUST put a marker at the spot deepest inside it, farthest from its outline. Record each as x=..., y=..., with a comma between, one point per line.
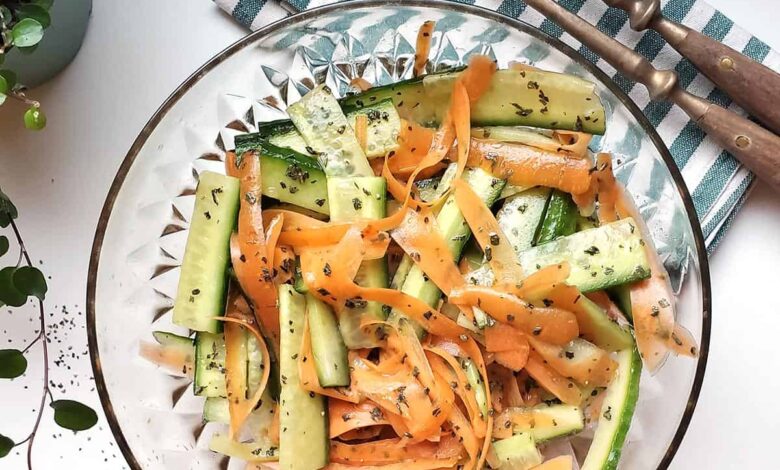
x=12, y=363
x=7, y=210
x=5, y=15
x=36, y=12
x=6, y=445
x=2, y=98
x=73, y=415
x=30, y=281
x=10, y=78
x=34, y=119
x=27, y=32
x=45, y=4
x=3, y=245
x=9, y=295
x=4, y=85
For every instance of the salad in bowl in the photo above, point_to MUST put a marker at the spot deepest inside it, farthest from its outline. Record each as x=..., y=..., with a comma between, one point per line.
x=434, y=273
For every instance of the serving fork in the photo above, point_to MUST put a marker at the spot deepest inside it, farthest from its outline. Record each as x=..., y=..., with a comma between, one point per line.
x=757, y=148
x=753, y=86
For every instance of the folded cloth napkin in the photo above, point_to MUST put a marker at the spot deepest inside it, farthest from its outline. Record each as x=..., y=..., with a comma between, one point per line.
x=718, y=183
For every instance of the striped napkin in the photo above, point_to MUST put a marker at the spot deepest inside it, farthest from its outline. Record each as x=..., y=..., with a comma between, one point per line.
x=718, y=183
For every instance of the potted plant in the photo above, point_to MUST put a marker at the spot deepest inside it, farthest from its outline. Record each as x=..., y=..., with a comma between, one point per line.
x=27, y=58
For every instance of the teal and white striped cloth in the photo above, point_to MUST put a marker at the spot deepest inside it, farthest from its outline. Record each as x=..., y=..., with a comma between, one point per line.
x=718, y=183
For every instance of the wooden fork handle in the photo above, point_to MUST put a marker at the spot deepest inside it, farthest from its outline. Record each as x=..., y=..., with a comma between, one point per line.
x=753, y=86
x=757, y=148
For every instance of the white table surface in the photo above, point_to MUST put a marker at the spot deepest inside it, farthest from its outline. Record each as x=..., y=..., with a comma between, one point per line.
x=135, y=54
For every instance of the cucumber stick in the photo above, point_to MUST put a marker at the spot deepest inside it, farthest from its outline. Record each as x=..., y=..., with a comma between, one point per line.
x=322, y=124
x=330, y=353
x=203, y=280
x=455, y=230
x=353, y=193
x=360, y=198
x=560, y=218
x=384, y=125
x=209, y=380
x=303, y=422
x=518, y=452
x=599, y=258
x=521, y=216
x=535, y=98
x=616, y=413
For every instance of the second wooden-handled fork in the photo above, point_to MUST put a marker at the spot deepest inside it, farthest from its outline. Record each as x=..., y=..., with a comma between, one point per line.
x=753, y=86
x=756, y=147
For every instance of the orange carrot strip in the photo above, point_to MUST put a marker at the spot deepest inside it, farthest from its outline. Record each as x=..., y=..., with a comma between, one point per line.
x=536, y=286
x=527, y=166
x=607, y=190
x=549, y=324
x=463, y=389
x=460, y=113
x=420, y=238
x=652, y=300
x=360, y=83
x=503, y=337
x=573, y=142
x=563, y=388
x=585, y=363
x=240, y=406
x=249, y=250
x=492, y=240
x=516, y=359
x=361, y=130
x=412, y=464
x=392, y=450
x=339, y=286
x=477, y=76
x=344, y=416
x=174, y=360
x=562, y=462
x=423, y=47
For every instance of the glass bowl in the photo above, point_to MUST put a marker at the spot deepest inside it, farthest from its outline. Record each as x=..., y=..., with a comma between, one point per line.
x=143, y=227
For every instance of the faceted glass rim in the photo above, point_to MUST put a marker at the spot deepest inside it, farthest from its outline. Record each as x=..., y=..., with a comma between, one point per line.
x=140, y=141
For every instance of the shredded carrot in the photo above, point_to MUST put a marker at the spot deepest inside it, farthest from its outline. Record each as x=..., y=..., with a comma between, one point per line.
x=393, y=450
x=244, y=406
x=345, y=416
x=562, y=462
x=421, y=239
x=360, y=83
x=494, y=243
x=527, y=166
x=273, y=431
x=477, y=76
x=503, y=337
x=515, y=359
x=536, y=286
x=585, y=363
x=607, y=188
x=175, y=360
x=249, y=248
x=573, y=142
x=412, y=464
x=361, y=130
x=549, y=324
x=424, y=36
x=653, y=300
x=565, y=389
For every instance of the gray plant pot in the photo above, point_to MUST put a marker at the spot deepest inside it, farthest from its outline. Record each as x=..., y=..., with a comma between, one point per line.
x=61, y=41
